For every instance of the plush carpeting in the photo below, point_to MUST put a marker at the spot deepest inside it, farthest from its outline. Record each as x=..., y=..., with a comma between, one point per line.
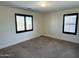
x=42, y=47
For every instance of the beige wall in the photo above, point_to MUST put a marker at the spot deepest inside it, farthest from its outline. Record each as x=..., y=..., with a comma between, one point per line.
x=53, y=23
x=8, y=34
x=49, y=24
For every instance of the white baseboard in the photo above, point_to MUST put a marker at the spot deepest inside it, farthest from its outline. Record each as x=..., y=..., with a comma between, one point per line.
x=14, y=43
x=61, y=38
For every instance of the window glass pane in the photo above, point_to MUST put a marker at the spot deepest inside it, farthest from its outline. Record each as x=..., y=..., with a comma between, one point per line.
x=69, y=28
x=70, y=20
x=28, y=23
x=69, y=23
x=20, y=23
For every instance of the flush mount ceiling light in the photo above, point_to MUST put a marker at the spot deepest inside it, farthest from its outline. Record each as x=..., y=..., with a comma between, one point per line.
x=43, y=5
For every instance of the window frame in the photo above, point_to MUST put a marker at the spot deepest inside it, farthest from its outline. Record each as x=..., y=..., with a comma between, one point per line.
x=75, y=33
x=25, y=30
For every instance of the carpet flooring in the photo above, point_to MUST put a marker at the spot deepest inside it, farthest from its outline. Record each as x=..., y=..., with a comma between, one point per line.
x=42, y=47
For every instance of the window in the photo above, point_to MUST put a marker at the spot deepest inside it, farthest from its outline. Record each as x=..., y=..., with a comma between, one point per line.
x=70, y=23
x=23, y=23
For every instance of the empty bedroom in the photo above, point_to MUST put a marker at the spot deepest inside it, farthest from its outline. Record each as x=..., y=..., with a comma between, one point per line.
x=39, y=29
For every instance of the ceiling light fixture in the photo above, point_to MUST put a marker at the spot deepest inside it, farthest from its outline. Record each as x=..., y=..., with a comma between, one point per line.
x=43, y=5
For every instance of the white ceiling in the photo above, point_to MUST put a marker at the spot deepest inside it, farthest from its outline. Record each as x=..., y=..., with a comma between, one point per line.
x=35, y=5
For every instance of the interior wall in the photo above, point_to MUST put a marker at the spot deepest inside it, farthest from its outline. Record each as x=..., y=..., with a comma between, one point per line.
x=8, y=34
x=53, y=24
x=49, y=24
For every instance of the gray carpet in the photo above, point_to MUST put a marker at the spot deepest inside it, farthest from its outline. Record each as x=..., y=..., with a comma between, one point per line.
x=42, y=47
